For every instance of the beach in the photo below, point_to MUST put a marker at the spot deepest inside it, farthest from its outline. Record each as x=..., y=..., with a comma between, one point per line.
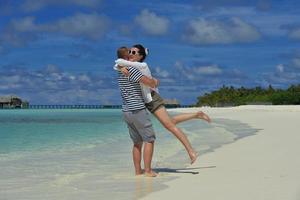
x=86, y=153
x=262, y=166
x=247, y=152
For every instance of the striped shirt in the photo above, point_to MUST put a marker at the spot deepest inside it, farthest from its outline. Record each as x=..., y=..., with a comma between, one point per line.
x=130, y=89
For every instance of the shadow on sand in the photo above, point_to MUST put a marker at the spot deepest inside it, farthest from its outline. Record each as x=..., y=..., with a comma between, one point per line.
x=181, y=170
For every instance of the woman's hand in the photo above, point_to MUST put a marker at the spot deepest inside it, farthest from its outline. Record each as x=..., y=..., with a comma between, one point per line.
x=156, y=82
x=124, y=70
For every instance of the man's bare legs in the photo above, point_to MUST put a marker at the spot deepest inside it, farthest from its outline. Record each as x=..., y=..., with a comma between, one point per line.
x=148, y=153
x=164, y=118
x=188, y=116
x=137, y=158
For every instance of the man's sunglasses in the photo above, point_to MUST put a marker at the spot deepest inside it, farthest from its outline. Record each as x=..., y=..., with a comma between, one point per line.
x=133, y=52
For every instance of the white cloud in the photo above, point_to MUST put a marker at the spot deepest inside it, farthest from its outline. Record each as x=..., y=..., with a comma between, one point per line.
x=205, y=75
x=26, y=24
x=50, y=69
x=286, y=78
x=280, y=68
x=92, y=26
x=84, y=78
x=258, y=4
x=34, y=5
x=202, y=32
x=295, y=34
x=161, y=73
x=198, y=73
x=151, y=23
x=53, y=85
x=208, y=70
x=283, y=75
x=126, y=29
x=296, y=62
x=269, y=24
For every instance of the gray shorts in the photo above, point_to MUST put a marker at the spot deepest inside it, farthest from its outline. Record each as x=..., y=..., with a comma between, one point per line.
x=139, y=126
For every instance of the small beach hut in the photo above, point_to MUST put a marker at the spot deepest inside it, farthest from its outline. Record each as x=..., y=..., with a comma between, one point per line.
x=11, y=101
x=171, y=103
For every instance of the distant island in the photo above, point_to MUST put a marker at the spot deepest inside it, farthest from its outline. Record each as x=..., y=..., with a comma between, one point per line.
x=231, y=96
x=223, y=97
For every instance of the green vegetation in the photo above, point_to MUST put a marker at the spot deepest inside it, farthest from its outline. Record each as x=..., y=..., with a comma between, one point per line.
x=230, y=96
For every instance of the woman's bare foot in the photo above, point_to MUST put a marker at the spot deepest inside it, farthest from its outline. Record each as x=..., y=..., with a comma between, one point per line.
x=193, y=156
x=150, y=174
x=202, y=115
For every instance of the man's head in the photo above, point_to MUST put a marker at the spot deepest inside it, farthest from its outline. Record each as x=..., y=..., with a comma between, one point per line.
x=122, y=52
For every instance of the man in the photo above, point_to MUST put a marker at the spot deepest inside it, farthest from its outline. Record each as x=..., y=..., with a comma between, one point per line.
x=137, y=118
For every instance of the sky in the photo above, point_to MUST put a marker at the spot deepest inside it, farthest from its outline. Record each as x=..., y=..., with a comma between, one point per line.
x=62, y=51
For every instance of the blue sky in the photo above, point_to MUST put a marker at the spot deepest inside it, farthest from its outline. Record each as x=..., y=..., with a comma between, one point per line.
x=62, y=51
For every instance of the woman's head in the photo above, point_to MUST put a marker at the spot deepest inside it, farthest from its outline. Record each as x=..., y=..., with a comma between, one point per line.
x=137, y=53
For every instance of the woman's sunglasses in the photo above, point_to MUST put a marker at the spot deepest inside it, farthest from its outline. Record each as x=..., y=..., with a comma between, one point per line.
x=133, y=52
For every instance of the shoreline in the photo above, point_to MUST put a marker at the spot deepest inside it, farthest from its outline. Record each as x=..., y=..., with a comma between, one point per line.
x=263, y=166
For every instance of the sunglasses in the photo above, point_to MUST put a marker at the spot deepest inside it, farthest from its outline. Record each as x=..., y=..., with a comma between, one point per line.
x=133, y=52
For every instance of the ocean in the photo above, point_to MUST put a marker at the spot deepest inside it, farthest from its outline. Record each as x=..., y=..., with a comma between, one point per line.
x=86, y=153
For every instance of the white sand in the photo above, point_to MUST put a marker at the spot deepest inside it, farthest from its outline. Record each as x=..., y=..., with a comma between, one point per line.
x=265, y=166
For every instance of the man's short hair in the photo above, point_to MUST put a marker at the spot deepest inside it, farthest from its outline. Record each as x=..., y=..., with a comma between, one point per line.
x=121, y=52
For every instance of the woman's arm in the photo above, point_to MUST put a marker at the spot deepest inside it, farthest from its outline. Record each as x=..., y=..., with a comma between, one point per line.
x=122, y=69
x=139, y=65
x=150, y=82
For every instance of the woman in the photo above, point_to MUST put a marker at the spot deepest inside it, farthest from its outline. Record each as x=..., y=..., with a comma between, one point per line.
x=138, y=54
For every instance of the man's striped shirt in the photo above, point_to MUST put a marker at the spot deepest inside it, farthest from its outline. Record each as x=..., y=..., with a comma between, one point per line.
x=130, y=89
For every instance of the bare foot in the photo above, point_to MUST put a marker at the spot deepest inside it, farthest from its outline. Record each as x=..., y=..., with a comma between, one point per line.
x=193, y=156
x=150, y=174
x=140, y=172
x=202, y=115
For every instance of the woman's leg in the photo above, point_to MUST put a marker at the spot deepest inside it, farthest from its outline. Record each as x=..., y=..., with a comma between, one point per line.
x=188, y=116
x=164, y=118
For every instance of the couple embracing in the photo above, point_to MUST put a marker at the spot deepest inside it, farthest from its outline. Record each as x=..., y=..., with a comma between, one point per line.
x=139, y=93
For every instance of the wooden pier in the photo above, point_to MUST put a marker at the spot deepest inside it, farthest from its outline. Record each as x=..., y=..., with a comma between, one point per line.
x=74, y=106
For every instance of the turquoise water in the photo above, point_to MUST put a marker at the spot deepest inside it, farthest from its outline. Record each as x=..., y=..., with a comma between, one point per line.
x=32, y=130
x=86, y=154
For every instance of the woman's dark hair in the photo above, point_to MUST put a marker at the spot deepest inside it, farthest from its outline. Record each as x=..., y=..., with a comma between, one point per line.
x=142, y=51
